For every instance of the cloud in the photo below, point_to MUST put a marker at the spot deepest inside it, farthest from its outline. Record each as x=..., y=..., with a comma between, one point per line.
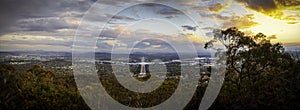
x=114, y=43
x=154, y=9
x=292, y=22
x=54, y=19
x=59, y=19
x=156, y=46
x=195, y=39
x=115, y=19
x=50, y=24
x=215, y=16
x=110, y=33
x=11, y=9
x=146, y=43
x=124, y=18
x=215, y=6
x=14, y=10
x=272, y=37
x=121, y=31
x=191, y=28
x=152, y=44
x=169, y=11
x=241, y=22
x=218, y=7
x=120, y=28
x=35, y=40
x=141, y=39
x=273, y=8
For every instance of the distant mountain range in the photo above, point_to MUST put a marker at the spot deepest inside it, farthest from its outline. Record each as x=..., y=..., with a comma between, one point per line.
x=50, y=53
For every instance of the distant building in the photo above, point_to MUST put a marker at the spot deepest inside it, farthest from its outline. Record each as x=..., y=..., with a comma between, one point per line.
x=143, y=68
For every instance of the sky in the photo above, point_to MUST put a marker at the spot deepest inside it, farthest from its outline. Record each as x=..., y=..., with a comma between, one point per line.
x=141, y=25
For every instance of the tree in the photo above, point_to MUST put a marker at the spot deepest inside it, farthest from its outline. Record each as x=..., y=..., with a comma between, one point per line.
x=37, y=88
x=9, y=88
x=257, y=70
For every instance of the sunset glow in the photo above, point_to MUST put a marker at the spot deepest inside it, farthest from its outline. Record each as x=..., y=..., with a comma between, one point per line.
x=55, y=25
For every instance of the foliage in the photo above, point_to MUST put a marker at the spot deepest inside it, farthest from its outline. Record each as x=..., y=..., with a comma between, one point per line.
x=37, y=88
x=259, y=74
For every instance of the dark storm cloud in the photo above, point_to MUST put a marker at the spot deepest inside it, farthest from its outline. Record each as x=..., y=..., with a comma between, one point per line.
x=11, y=10
x=14, y=10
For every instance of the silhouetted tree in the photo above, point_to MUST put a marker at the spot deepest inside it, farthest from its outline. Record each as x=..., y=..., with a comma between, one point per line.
x=259, y=74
